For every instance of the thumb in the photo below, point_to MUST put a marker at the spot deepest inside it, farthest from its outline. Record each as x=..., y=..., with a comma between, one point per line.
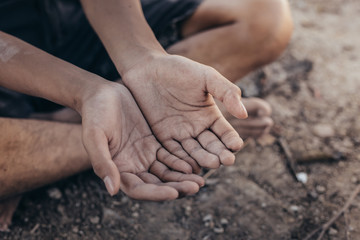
x=228, y=93
x=96, y=144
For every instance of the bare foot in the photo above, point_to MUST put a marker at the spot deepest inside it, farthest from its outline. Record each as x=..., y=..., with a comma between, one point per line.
x=7, y=209
x=257, y=124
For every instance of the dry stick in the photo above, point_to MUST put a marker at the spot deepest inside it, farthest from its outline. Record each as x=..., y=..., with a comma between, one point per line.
x=328, y=224
x=212, y=171
x=346, y=217
x=290, y=160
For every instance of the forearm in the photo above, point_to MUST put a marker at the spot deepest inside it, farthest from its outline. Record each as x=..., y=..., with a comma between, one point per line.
x=29, y=70
x=123, y=30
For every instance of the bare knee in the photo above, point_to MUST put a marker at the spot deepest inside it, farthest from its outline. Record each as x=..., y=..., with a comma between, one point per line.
x=269, y=27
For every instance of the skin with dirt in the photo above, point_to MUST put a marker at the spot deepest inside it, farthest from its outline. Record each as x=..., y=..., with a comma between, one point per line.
x=313, y=89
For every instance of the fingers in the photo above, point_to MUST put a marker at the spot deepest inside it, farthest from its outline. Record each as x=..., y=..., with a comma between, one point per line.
x=257, y=107
x=96, y=144
x=173, y=162
x=166, y=175
x=227, y=134
x=176, y=149
x=136, y=188
x=204, y=158
x=184, y=188
x=227, y=92
x=212, y=144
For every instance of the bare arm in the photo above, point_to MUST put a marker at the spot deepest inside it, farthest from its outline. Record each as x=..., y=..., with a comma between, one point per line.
x=175, y=94
x=113, y=128
x=122, y=28
x=29, y=70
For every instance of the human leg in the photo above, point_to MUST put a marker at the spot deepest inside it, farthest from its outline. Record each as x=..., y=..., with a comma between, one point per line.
x=34, y=153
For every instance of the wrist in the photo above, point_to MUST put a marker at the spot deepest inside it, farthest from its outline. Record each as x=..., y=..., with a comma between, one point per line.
x=139, y=57
x=93, y=86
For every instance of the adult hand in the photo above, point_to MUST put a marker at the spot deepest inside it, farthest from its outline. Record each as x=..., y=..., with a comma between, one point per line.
x=175, y=95
x=124, y=152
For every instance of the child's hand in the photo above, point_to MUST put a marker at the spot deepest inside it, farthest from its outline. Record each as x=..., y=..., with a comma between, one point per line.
x=125, y=154
x=176, y=96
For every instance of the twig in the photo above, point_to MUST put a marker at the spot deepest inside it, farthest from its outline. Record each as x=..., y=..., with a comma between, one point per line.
x=329, y=223
x=35, y=228
x=346, y=217
x=290, y=160
x=209, y=173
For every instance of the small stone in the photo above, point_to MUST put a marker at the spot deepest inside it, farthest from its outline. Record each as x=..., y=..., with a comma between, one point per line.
x=333, y=231
x=75, y=229
x=54, y=193
x=224, y=221
x=94, y=220
x=188, y=211
x=135, y=214
x=218, y=230
x=207, y=218
x=320, y=189
x=302, y=177
x=263, y=205
x=294, y=208
x=323, y=130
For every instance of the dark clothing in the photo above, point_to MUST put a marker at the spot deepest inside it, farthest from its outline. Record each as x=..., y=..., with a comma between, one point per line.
x=60, y=28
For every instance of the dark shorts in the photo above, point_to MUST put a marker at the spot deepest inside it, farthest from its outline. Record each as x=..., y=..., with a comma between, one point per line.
x=60, y=28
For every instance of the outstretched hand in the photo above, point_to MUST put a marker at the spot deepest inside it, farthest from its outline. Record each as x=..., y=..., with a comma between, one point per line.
x=175, y=95
x=124, y=152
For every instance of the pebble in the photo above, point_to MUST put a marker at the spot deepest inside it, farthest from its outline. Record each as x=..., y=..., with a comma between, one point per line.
x=188, y=211
x=135, y=214
x=320, y=189
x=54, y=193
x=75, y=229
x=302, y=177
x=94, y=220
x=207, y=218
x=323, y=130
x=218, y=230
x=294, y=208
x=333, y=231
x=224, y=221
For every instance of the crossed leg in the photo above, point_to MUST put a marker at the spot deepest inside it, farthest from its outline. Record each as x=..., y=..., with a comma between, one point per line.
x=42, y=151
x=236, y=37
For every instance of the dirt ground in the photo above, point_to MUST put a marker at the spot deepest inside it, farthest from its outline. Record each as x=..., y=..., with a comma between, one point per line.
x=314, y=91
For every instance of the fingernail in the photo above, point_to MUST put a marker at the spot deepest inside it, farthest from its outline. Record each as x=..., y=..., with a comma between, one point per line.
x=244, y=109
x=109, y=185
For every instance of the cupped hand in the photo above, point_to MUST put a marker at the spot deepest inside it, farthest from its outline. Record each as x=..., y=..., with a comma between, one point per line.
x=124, y=152
x=175, y=95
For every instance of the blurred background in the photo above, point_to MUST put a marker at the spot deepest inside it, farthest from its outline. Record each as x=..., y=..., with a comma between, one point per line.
x=283, y=186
